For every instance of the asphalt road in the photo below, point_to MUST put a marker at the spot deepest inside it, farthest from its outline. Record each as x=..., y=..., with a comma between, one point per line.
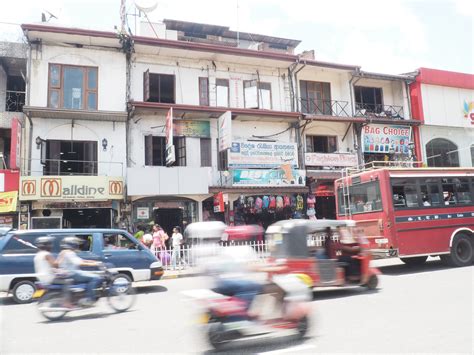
x=426, y=309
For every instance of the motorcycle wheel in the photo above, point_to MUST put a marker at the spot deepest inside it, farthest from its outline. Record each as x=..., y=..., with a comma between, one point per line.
x=303, y=325
x=119, y=296
x=51, y=307
x=215, y=335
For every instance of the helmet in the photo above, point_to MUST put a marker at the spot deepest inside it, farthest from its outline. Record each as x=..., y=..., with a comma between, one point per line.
x=70, y=243
x=44, y=243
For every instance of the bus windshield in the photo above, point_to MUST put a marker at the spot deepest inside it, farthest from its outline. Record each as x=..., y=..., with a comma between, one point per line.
x=364, y=197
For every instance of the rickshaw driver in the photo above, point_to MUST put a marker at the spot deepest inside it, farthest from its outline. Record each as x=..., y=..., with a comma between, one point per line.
x=349, y=248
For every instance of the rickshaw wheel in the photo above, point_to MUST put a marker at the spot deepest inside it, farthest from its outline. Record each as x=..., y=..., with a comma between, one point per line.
x=302, y=326
x=372, y=282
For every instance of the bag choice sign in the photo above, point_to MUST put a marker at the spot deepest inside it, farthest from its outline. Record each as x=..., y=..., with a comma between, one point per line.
x=386, y=139
x=71, y=188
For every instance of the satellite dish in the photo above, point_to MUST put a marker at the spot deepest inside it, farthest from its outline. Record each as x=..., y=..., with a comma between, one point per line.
x=146, y=6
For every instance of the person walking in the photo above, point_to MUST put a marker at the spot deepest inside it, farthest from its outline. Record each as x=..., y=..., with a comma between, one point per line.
x=159, y=244
x=176, y=241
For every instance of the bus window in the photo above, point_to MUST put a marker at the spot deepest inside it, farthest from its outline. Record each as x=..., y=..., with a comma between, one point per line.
x=430, y=193
x=365, y=197
x=456, y=191
x=405, y=193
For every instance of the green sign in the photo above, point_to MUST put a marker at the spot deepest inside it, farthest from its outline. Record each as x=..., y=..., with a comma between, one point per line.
x=190, y=128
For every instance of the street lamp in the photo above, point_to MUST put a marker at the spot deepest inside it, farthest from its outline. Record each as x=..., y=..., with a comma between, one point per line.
x=38, y=142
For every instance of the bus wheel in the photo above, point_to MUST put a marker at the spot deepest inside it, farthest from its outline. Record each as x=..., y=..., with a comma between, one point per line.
x=417, y=260
x=462, y=251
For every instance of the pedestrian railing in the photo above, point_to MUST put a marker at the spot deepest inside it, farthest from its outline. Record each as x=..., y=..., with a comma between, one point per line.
x=190, y=256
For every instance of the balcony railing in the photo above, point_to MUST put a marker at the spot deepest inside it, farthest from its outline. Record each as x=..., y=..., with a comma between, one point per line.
x=379, y=111
x=14, y=101
x=325, y=107
x=64, y=167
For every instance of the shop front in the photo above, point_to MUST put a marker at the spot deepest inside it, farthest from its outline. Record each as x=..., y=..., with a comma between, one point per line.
x=72, y=201
x=322, y=170
x=9, y=182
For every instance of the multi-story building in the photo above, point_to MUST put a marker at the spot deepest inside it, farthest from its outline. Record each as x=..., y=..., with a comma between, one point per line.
x=253, y=124
x=444, y=102
x=12, y=99
x=76, y=128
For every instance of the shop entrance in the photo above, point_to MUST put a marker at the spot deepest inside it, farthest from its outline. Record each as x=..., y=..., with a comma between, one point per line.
x=325, y=207
x=168, y=218
x=87, y=218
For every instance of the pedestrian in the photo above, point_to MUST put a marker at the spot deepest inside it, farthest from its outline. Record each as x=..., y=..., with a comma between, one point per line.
x=147, y=238
x=159, y=243
x=140, y=232
x=176, y=240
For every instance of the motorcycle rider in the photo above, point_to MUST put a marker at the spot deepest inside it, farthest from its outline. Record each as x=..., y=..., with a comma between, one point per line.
x=70, y=262
x=44, y=260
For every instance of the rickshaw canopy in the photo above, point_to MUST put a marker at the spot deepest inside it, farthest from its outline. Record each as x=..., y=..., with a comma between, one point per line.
x=205, y=231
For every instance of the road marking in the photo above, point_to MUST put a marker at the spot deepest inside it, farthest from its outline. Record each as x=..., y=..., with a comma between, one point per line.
x=289, y=350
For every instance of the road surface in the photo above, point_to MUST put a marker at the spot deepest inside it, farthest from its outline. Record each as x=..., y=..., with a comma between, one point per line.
x=425, y=309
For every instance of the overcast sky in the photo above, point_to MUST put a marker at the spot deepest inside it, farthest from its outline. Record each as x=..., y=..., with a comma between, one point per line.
x=386, y=36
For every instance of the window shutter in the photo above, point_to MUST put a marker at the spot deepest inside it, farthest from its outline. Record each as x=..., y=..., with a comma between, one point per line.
x=204, y=91
x=250, y=94
x=146, y=85
x=149, y=150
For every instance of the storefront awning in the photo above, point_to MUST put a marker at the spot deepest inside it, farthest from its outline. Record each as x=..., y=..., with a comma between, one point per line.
x=260, y=190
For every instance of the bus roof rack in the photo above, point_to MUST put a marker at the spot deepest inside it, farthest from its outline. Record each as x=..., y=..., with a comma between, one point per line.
x=383, y=164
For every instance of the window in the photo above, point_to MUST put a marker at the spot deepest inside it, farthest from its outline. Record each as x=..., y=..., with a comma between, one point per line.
x=70, y=157
x=206, y=153
x=72, y=87
x=114, y=241
x=315, y=97
x=456, y=191
x=430, y=193
x=85, y=244
x=405, y=193
x=368, y=99
x=363, y=197
x=155, y=151
x=21, y=244
x=222, y=92
x=321, y=144
x=222, y=163
x=257, y=94
x=442, y=153
x=204, y=91
x=158, y=87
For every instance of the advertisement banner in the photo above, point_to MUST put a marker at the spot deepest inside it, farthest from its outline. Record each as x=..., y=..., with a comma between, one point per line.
x=262, y=154
x=225, y=131
x=15, y=145
x=219, y=202
x=188, y=128
x=143, y=213
x=8, y=201
x=286, y=176
x=71, y=188
x=330, y=159
x=388, y=139
x=170, y=154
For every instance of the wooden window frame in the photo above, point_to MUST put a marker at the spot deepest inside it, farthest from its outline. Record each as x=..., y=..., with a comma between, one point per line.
x=228, y=91
x=203, y=157
x=312, y=136
x=203, y=101
x=85, y=91
x=146, y=86
x=258, y=84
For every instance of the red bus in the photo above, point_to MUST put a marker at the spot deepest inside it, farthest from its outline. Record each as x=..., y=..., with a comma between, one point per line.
x=412, y=213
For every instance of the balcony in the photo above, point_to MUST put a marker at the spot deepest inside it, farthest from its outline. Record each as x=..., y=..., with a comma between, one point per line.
x=379, y=111
x=14, y=101
x=325, y=107
x=70, y=167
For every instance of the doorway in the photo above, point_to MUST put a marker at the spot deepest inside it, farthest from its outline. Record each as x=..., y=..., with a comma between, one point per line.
x=325, y=207
x=168, y=218
x=87, y=218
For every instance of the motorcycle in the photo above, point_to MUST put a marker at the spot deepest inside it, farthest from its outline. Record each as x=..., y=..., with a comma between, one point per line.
x=226, y=319
x=53, y=298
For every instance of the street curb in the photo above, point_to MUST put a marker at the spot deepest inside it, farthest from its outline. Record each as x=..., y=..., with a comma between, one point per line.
x=180, y=276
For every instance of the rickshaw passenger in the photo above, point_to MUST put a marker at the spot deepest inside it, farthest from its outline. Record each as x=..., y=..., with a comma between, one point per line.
x=349, y=248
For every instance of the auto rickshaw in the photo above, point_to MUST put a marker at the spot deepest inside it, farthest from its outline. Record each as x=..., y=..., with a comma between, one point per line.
x=330, y=252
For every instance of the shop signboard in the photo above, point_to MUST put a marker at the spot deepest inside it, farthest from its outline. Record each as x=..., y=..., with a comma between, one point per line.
x=330, y=159
x=86, y=188
x=170, y=153
x=262, y=154
x=189, y=128
x=143, y=213
x=8, y=201
x=286, y=176
x=219, y=202
x=386, y=139
x=225, y=131
x=15, y=145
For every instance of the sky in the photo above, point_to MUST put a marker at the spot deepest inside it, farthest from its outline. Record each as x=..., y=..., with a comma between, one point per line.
x=396, y=36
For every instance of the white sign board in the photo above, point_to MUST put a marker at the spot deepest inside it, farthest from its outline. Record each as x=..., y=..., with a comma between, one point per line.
x=225, y=131
x=143, y=213
x=327, y=159
x=170, y=154
x=262, y=154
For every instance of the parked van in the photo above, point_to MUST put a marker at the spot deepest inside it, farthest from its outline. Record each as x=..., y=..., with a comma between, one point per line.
x=132, y=260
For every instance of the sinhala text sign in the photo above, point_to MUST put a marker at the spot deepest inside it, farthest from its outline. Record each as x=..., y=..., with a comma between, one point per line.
x=262, y=154
x=386, y=139
x=268, y=177
x=71, y=188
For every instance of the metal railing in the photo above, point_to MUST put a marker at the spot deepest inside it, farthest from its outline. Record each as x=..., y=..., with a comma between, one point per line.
x=379, y=111
x=325, y=107
x=64, y=167
x=14, y=101
x=190, y=256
